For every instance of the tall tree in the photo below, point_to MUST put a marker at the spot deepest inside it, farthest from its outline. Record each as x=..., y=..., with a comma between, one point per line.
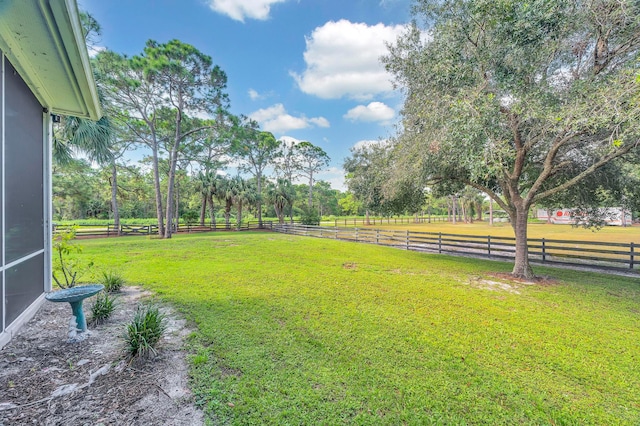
x=285, y=167
x=225, y=192
x=520, y=100
x=153, y=93
x=257, y=150
x=281, y=194
x=210, y=155
x=243, y=192
x=309, y=160
x=190, y=84
x=364, y=175
x=206, y=183
x=132, y=100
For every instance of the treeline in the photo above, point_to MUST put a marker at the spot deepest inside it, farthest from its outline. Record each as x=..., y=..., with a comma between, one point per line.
x=204, y=162
x=82, y=191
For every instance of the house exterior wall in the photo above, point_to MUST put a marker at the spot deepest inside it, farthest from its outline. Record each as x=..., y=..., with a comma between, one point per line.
x=25, y=269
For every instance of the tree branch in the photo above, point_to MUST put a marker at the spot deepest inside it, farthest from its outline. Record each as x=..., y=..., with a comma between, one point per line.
x=591, y=169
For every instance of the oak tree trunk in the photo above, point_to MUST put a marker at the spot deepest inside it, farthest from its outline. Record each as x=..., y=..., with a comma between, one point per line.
x=521, y=267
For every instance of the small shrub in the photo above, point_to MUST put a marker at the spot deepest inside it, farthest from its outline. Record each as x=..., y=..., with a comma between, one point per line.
x=102, y=308
x=65, y=272
x=112, y=281
x=310, y=217
x=144, y=331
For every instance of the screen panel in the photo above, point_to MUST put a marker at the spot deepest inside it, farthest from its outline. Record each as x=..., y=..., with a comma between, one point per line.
x=1, y=161
x=23, y=171
x=2, y=305
x=3, y=302
x=24, y=284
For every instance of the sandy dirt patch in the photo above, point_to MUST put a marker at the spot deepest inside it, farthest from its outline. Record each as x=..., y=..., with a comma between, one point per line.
x=45, y=380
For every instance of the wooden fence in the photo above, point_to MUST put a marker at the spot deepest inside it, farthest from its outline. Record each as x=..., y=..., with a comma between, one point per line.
x=602, y=255
x=109, y=230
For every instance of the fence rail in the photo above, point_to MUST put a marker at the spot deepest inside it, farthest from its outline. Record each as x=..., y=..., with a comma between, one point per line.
x=109, y=230
x=602, y=255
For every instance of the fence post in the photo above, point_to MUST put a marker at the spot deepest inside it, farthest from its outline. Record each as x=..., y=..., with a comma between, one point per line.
x=407, y=240
x=631, y=254
x=377, y=236
x=356, y=234
x=439, y=242
x=489, y=245
x=544, y=251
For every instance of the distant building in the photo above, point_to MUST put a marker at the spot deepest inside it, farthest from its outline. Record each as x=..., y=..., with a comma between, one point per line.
x=45, y=70
x=614, y=216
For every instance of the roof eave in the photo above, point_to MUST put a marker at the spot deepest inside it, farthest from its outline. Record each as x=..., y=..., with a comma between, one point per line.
x=43, y=40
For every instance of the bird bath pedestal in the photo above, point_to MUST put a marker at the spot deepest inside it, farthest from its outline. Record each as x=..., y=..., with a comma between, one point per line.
x=75, y=296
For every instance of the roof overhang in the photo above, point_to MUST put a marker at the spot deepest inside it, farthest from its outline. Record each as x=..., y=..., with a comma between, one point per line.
x=43, y=40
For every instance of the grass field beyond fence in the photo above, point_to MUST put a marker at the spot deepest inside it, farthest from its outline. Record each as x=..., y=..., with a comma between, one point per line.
x=294, y=330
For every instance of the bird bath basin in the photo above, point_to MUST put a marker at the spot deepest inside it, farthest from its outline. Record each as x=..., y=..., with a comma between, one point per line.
x=75, y=296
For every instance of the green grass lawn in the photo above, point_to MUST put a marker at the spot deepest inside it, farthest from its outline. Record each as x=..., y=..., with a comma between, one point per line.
x=294, y=330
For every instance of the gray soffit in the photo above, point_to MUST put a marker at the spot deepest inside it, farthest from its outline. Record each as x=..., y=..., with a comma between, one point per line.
x=43, y=40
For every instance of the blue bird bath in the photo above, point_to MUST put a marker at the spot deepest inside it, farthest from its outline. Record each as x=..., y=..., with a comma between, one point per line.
x=75, y=296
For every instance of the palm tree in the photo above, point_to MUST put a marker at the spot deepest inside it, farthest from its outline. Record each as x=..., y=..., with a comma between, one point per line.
x=244, y=192
x=93, y=139
x=203, y=188
x=210, y=185
x=224, y=192
x=281, y=194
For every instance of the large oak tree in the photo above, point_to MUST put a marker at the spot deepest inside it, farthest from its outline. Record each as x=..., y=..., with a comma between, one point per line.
x=521, y=100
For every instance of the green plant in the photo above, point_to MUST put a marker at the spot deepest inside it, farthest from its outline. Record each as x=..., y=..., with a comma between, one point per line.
x=190, y=217
x=112, y=281
x=65, y=271
x=144, y=331
x=102, y=308
x=310, y=217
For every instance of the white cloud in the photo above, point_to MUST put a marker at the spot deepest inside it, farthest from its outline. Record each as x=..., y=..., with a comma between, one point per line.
x=254, y=95
x=94, y=50
x=343, y=59
x=375, y=111
x=320, y=122
x=275, y=119
x=335, y=176
x=241, y=9
x=290, y=140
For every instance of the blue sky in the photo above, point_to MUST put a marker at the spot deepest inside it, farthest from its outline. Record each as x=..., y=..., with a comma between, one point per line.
x=304, y=69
